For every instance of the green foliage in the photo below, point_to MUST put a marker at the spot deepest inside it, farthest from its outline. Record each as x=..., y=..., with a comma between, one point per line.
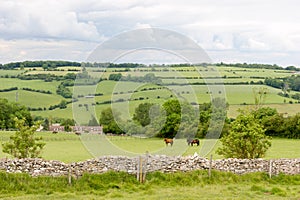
x=46, y=124
x=291, y=127
x=24, y=144
x=64, y=91
x=142, y=113
x=63, y=104
x=291, y=82
x=212, y=118
x=44, y=64
x=67, y=123
x=246, y=139
x=115, y=77
x=109, y=119
x=9, y=110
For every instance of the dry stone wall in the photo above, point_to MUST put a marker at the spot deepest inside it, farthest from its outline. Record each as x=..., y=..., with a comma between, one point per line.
x=166, y=164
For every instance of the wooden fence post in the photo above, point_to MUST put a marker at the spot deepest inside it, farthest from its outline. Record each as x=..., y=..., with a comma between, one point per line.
x=210, y=166
x=70, y=175
x=270, y=168
x=142, y=168
x=145, y=167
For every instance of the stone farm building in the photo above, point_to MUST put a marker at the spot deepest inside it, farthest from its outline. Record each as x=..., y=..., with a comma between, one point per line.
x=87, y=129
x=77, y=129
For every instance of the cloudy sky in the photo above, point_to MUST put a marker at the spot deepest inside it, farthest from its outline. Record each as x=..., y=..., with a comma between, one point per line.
x=253, y=31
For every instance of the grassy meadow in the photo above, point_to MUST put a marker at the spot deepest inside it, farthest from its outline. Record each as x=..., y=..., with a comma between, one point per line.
x=68, y=147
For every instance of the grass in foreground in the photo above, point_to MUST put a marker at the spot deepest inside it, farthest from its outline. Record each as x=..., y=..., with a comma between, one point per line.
x=120, y=185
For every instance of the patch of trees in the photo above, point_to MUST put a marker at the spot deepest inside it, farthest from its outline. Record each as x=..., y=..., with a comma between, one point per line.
x=288, y=83
x=176, y=119
x=112, y=65
x=287, y=95
x=49, y=77
x=273, y=82
x=115, y=77
x=10, y=110
x=276, y=125
x=44, y=77
x=52, y=77
x=148, y=78
x=110, y=121
x=256, y=65
x=9, y=89
x=43, y=64
x=180, y=119
x=64, y=91
x=37, y=109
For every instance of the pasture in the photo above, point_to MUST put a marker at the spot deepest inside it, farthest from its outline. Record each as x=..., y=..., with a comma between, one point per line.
x=236, y=95
x=68, y=147
x=236, y=92
x=33, y=84
x=32, y=99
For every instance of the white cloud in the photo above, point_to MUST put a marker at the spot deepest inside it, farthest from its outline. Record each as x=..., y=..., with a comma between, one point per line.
x=21, y=50
x=248, y=27
x=43, y=19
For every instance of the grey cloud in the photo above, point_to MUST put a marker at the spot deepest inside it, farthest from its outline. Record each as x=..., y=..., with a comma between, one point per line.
x=244, y=26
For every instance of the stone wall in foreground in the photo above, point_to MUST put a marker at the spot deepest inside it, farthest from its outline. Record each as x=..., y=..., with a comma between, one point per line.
x=37, y=167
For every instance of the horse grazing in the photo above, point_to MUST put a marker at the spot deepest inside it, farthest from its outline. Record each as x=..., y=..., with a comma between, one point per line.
x=168, y=141
x=193, y=141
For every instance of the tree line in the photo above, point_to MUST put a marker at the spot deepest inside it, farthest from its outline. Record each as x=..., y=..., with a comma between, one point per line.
x=257, y=66
x=51, y=65
x=180, y=119
x=34, y=64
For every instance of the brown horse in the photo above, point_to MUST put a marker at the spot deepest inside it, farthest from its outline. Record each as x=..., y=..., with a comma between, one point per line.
x=193, y=141
x=168, y=141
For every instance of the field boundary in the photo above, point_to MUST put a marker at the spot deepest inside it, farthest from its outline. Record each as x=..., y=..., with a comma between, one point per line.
x=152, y=163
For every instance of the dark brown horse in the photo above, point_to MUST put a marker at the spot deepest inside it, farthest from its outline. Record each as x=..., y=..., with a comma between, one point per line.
x=193, y=141
x=168, y=141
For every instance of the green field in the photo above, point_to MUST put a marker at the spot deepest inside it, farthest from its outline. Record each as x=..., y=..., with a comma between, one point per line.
x=236, y=95
x=34, y=84
x=32, y=99
x=10, y=72
x=68, y=147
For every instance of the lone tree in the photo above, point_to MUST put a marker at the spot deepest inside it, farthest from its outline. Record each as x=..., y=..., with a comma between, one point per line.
x=23, y=144
x=246, y=139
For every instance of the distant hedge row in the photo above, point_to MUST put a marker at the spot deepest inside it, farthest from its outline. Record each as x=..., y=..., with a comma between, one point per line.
x=9, y=89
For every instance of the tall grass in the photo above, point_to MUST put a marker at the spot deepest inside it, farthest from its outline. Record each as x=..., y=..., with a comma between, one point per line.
x=120, y=185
